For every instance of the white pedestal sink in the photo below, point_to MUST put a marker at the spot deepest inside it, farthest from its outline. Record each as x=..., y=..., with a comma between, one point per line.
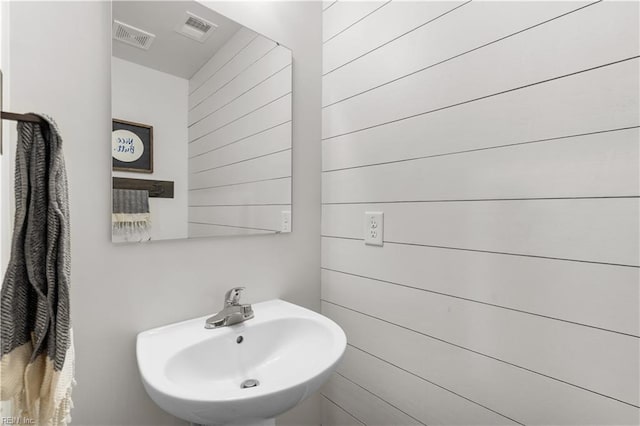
x=196, y=374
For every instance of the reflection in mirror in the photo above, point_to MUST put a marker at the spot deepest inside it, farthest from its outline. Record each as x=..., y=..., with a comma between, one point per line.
x=201, y=141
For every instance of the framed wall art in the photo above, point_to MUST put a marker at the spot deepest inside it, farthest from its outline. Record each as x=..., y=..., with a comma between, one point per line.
x=132, y=146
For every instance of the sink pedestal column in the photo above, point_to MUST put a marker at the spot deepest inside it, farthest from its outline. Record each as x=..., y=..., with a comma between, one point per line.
x=270, y=422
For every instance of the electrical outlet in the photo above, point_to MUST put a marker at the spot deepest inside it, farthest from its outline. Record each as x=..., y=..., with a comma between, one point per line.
x=373, y=228
x=285, y=226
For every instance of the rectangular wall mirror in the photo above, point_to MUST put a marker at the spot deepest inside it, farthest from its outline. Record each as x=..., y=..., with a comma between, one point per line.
x=201, y=125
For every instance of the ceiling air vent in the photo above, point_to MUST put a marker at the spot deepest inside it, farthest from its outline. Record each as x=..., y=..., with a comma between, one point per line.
x=195, y=27
x=132, y=35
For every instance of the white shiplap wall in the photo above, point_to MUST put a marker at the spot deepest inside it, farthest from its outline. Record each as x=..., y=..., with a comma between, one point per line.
x=501, y=141
x=240, y=138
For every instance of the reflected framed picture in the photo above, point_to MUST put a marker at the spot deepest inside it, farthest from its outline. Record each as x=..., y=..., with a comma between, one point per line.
x=132, y=146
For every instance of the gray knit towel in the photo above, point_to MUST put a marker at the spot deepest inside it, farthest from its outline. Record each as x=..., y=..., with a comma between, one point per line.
x=131, y=217
x=37, y=364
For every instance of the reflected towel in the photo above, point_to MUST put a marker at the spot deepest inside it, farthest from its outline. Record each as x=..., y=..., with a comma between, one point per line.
x=131, y=216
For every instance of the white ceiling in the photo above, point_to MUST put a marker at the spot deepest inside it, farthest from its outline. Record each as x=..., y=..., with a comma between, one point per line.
x=170, y=52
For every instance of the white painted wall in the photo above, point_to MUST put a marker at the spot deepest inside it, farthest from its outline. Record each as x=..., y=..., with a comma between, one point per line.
x=500, y=139
x=5, y=164
x=144, y=95
x=6, y=160
x=240, y=138
x=60, y=65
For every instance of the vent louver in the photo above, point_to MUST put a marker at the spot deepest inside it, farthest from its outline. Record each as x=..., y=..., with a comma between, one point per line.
x=131, y=35
x=195, y=27
x=198, y=24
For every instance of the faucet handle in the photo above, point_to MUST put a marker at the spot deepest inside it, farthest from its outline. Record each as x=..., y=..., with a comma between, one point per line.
x=233, y=296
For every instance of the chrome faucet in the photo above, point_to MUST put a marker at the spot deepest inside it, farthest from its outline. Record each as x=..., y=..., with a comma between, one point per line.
x=232, y=313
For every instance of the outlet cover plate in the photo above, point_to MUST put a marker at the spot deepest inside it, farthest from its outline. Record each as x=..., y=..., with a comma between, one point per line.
x=373, y=228
x=285, y=226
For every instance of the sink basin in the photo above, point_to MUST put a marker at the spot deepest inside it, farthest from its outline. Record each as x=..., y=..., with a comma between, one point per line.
x=196, y=373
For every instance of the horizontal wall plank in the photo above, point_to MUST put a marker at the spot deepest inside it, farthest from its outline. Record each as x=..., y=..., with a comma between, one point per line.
x=262, y=69
x=271, y=115
x=197, y=230
x=272, y=140
x=333, y=415
x=520, y=394
x=597, y=295
x=363, y=405
x=262, y=217
x=380, y=27
x=494, y=69
x=243, y=60
x=344, y=14
x=421, y=399
x=424, y=47
x=326, y=4
x=595, y=165
x=236, y=44
x=262, y=168
x=269, y=90
x=597, y=360
x=592, y=230
x=276, y=191
x=602, y=99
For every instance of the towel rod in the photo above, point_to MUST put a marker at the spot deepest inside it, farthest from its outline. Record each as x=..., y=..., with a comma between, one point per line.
x=156, y=188
x=21, y=117
x=4, y=115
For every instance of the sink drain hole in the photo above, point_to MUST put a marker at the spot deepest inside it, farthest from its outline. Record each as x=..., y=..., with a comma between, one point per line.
x=239, y=339
x=249, y=383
